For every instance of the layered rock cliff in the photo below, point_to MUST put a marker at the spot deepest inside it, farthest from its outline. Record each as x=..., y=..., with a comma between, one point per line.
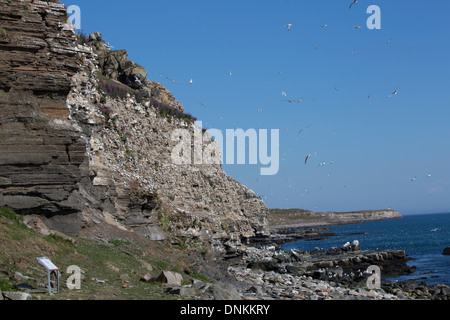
x=86, y=140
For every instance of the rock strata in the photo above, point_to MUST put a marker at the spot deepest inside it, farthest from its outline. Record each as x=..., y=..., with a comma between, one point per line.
x=87, y=139
x=43, y=156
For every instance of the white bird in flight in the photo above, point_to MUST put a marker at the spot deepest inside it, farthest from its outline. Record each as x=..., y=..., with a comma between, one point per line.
x=190, y=82
x=393, y=93
x=353, y=3
x=173, y=81
x=288, y=26
x=296, y=101
x=136, y=79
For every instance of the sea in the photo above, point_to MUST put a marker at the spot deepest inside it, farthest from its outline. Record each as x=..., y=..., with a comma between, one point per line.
x=423, y=237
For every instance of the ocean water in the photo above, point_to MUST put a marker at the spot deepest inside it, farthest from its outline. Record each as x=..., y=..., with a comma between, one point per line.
x=423, y=237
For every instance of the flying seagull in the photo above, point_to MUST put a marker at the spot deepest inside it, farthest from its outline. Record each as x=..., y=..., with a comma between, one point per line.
x=173, y=81
x=307, y=158
x=190, y=82
x=229, y=74
x=136, y=79
x=296, y=101
x=202, y=104
x=303, y=129
x=393, y=93
x=413, y=179
x=324, y=26
x=283, y=93
x=288, y=26
x=353, y=3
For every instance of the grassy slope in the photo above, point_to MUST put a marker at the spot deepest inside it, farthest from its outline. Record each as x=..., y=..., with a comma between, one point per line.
x=104, y=261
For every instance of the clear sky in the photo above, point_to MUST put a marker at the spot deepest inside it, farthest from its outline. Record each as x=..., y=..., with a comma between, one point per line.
x=371, y=148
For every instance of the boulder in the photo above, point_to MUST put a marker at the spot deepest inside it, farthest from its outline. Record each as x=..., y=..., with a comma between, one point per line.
x=170, y=278
x=95, y=36
x=17, y=295
x=224, y=291
x=446, y=251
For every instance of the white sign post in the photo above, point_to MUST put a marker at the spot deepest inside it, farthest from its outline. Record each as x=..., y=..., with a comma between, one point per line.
x=50, y=268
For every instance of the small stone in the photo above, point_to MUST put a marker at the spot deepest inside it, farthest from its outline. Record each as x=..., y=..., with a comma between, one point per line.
x=147, y=277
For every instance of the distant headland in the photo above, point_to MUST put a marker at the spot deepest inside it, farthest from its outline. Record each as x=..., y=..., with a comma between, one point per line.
x=300, y=218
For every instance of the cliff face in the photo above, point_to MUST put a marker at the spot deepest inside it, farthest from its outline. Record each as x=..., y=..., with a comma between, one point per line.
x=43, y=157
x=86, y=141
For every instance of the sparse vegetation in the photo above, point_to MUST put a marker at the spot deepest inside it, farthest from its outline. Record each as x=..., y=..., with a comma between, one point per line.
x=3, y=33
x=82, y=38
x=102, y=263
x=164, y=219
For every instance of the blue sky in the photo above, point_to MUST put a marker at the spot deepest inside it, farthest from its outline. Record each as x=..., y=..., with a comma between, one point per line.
x=372, y=148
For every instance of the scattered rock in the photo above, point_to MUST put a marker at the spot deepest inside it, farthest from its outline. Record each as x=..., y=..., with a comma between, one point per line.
x=147, y=277
x=17, y=295
x=125, y=278
x=224, y=291
x=184, y=291
x=446, y=251
x=170, y=278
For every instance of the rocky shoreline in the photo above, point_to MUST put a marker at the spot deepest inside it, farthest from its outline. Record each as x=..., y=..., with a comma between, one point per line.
x=266, y=273
x=263, y=271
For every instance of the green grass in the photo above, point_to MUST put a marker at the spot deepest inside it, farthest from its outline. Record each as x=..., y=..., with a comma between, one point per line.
x=10, y=214
x=200, y=277
x=103, y=263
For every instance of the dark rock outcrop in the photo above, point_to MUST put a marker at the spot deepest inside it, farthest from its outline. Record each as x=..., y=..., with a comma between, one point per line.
x=446, y=251
x=43, y=159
